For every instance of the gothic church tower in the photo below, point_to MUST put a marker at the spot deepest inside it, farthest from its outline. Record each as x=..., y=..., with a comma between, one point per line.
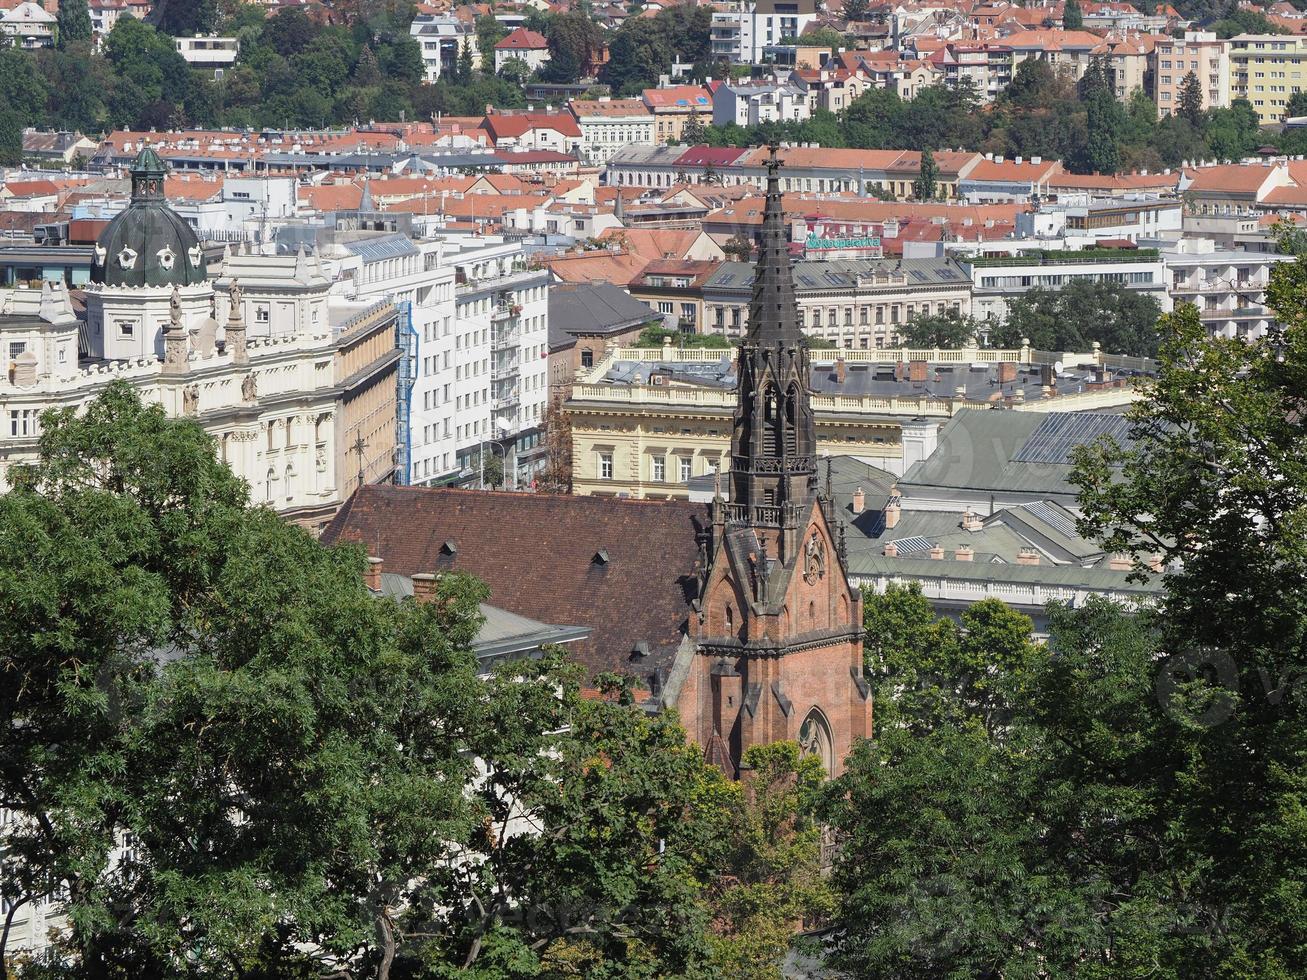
x=779, y=636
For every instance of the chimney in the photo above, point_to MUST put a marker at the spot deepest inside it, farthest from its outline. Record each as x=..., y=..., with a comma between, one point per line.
x=424, y=587
x=964, y=553
x=1007, y=372
x=892, y=512
x=1120, y=563
x=1027, y=556
x=372, y=574
x=841, y=371
x=1155, y=563
x=937, y=553
x=891, y=550
x=859, y=500
x=971, y=521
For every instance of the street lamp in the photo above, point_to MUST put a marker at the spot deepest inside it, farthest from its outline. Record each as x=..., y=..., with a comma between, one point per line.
x=503, y=425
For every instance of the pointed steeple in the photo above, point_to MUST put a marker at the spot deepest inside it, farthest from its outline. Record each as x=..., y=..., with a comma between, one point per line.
x=773, y=442
x=773, y=312
x=365, y=203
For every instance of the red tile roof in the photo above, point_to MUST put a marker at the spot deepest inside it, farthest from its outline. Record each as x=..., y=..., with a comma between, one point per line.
x=624, y=568
x=522, y=40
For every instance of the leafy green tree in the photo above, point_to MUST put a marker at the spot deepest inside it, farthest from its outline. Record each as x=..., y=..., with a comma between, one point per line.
x=693, y=133
x=857, y=10
x=515, y=71
x=22, y=89
x=463, y=70
x=1191, y=99
x=73, y=24
x=77, y=84
x=182, y=18
x=946, y=331
x=290, y=31
x=1241, y=21
x=1216, y=454
x=1121, y=319
x=1073, y=18
x=573, y=38
x=656, y=336
x=1105, y=122
x=1297, y=105
x=774, y=874
x=638, y=53
x=739, y=247
x=1235, y=132
x=11, y=139
x=489, y=33
x=924, y=187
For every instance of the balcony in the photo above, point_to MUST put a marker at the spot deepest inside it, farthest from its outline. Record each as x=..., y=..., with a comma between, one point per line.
x=503, y=370
x=506, y=400
x=504, y=340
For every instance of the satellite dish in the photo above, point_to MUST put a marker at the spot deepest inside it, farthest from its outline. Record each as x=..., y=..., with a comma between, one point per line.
x=1057, y=367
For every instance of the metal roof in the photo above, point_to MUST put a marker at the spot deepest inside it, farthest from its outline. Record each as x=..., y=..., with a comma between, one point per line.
x=384, y=247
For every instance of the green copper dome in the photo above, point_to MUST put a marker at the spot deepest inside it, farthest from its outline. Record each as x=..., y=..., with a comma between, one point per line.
x=148, y=244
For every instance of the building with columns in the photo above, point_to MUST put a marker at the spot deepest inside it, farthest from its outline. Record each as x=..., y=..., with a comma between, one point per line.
x=285, y=377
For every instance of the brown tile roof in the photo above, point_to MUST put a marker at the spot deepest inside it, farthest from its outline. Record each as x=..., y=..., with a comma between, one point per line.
x=537, y=553
x=522, y=40
x=619, y=268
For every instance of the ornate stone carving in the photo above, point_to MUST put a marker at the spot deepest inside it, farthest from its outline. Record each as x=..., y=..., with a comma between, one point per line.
x=250, y=388
x=814, y=558
x=191, y=400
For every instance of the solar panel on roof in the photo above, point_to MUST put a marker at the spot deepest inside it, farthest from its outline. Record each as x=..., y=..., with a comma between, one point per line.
x=807, y=280
x=907, y=546
x=725, y=279
x=682, y=102
x=1052, y=517
x=1056, y=436
x=837, y=278
x=947, y=274
x=918, y=275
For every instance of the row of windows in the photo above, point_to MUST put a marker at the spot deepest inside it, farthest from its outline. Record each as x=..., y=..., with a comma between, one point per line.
x=682, y=467
x=1027, y=282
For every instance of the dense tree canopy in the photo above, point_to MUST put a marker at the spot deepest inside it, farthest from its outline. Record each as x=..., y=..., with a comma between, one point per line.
x=315, y=781
x=1121, y=319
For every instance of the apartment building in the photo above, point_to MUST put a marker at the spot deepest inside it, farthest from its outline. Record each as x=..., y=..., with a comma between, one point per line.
x=856, y=304
x=1002, y=270
x=607, y=125
x=740, y=32
x=1199, y=52
x=1227, y=286
x=1266, y=69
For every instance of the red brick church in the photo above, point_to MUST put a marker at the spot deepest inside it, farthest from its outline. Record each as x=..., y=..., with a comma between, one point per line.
x=740, y=616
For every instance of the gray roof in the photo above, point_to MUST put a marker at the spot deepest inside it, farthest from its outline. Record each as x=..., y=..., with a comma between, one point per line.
x=503, y=634
x=1009, y=452
x=592, y=309
x=817, y=275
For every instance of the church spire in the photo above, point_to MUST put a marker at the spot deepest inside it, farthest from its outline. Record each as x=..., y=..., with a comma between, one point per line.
x=773, y=312
x=773, y=442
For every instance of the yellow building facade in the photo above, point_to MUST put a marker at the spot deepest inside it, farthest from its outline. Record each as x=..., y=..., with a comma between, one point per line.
x=648, y=439
x=1266, y=69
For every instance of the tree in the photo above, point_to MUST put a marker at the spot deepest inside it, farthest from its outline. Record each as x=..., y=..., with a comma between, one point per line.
x=556, y=476
x=1073, y=18
x=1122, y=320
x=739, y=247
x=1191, y=99
x=22, y=89
x=923, y=188
x=515, y=71
x=1297, y=105
x=1213, y=482
x=183, y=18
x=573, y=38
x=946, y=331
x=11, y=139
x=775, y=877
x=489, y=33
x=463, y=71
x=857, y=10
x=73, y=23
x=638, y=53
x=694, y=133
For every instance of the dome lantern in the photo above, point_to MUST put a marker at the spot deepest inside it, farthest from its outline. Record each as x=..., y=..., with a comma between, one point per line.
x=148, y=244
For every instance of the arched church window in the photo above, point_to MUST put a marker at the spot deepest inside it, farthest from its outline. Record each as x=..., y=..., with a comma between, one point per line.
x=815, y=739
